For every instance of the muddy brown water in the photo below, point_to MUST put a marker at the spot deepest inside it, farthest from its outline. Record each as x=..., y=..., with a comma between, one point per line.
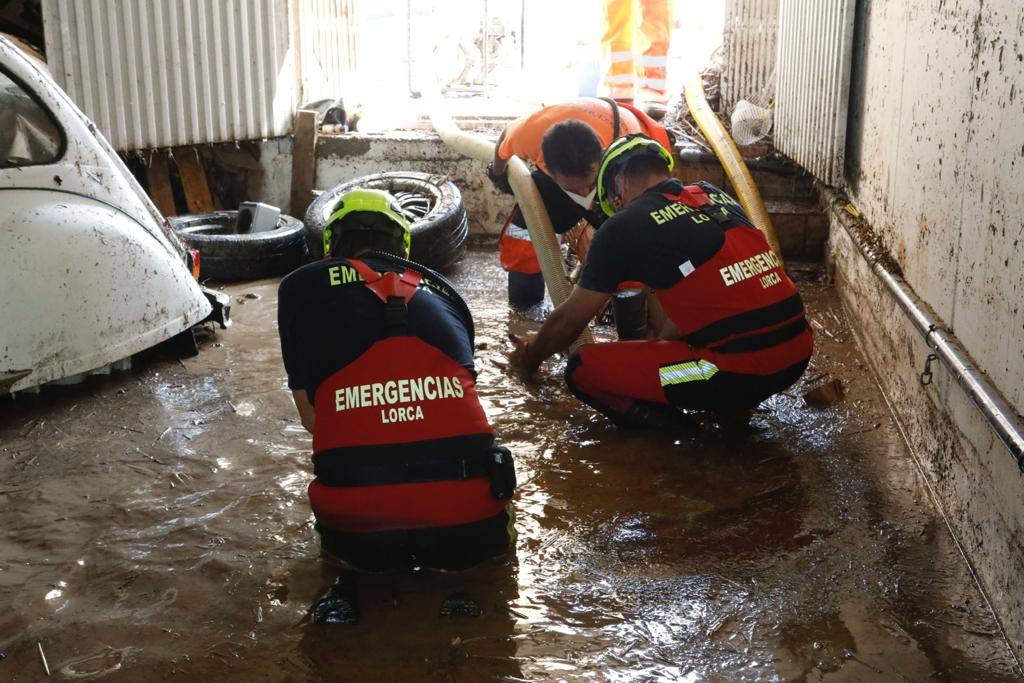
x=155, y=527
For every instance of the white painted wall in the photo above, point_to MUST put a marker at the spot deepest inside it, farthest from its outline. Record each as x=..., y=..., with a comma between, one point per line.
x=934, y=164
x=937, y=162
x=343, y=158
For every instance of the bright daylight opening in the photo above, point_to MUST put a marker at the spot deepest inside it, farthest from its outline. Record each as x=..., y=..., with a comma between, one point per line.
x=502, y=59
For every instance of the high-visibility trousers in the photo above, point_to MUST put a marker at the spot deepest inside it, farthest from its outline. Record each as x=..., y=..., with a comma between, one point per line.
x=615, y=376
x=636, y=43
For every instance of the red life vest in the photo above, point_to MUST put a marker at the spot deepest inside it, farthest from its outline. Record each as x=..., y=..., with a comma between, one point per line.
x=400, y=439
x=740, y=300
x=515, y=249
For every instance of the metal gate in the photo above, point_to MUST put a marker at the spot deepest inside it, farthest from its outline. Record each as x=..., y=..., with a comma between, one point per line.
x=813, y=84
x=750, y=50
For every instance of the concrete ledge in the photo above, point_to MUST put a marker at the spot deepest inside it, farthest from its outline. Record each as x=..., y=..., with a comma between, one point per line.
x=972, y=477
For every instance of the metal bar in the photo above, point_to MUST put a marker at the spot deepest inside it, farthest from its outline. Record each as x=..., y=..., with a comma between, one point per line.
x=1000, y=413
x=486, y=45
x=522, y=35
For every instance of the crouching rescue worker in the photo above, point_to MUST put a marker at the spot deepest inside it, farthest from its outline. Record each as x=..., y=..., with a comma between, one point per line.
x=733, y=330
x=379, y=356
x=565, y=142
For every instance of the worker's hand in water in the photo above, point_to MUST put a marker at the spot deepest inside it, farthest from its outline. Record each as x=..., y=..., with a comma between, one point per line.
x=499, y=180
x=520, y=358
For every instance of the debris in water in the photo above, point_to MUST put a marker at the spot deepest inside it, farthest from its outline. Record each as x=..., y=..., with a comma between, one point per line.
x=43, y=656
x=460, y=605
x=828, y=392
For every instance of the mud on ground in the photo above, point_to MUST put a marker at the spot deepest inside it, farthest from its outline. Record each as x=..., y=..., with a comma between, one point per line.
x=155, y=527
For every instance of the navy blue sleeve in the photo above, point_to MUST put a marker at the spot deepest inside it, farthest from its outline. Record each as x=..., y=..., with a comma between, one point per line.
x=438, y=322
x=604, y=268
x=286, y=329
x=728, y=203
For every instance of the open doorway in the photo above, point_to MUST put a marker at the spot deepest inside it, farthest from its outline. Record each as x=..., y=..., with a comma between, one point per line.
x=495, y=60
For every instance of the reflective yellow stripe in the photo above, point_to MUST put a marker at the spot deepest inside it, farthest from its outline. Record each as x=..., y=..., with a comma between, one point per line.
x=517, y=233
x=691, y=371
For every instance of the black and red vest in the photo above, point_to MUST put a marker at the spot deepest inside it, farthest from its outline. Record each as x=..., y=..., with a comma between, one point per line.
x=400, y=439
x=740, y=301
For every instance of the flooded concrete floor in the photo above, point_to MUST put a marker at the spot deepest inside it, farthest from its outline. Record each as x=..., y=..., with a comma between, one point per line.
x=156, y=527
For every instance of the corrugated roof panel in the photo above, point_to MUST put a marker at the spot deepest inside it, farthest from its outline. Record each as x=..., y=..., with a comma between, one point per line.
x=163, y=73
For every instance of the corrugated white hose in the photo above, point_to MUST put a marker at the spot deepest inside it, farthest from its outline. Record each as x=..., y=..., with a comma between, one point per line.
x=542, y=234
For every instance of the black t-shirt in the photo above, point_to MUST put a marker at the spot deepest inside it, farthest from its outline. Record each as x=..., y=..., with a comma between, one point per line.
x=652, y=242
x=327, y=318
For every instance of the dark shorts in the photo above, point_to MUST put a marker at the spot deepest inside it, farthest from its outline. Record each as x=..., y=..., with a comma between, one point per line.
x=451, y=547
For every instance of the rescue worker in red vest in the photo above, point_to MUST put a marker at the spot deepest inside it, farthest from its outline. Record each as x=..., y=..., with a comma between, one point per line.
x=733, y=330
x=565, y=142
x=379, y=356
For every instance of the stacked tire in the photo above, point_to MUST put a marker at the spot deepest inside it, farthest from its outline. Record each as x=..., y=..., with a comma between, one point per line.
x=440, y=226
x=227, y=255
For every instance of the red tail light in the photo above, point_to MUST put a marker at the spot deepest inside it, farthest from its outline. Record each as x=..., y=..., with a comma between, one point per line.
x=193, y=262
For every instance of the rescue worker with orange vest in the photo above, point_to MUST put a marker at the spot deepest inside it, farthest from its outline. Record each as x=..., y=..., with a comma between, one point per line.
x=379, y=356
x=632, y=26
x=733, y=330
x=565, y=142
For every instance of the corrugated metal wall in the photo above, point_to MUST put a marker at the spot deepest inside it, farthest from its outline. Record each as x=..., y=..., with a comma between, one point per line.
x=328, y=30
x=160, y=73
x=750, y=50
x=813, y=84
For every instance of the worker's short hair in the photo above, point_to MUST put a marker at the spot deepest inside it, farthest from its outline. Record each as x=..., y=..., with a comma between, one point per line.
x=571, y=148
x=368, y=231
x=642, y=165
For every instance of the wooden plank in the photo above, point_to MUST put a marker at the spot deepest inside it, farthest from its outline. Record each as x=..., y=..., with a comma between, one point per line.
x=158, y=174
x=303, y=161
x=193, y=180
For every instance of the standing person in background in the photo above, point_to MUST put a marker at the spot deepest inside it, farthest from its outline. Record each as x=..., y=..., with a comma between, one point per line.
x=626, y=67
x=565, y=142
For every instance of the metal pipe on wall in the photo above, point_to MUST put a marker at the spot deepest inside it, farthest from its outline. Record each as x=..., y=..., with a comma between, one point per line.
x=1000, y=414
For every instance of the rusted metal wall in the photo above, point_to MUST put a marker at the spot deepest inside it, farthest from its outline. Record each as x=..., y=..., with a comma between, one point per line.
x=813, y=84
x=934, y=164
x=750, y=49
x=327, y=29
x=160, y=73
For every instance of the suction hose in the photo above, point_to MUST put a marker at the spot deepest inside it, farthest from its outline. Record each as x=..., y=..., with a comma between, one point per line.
x=542, y=234
x=731, y=160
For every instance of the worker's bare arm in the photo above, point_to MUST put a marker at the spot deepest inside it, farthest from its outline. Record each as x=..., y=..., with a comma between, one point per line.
x=499, y=165
x=306, y=413
x=562, y=327
x=659, y=326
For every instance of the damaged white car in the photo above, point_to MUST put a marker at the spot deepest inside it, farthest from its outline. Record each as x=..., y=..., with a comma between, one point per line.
x=92, y=273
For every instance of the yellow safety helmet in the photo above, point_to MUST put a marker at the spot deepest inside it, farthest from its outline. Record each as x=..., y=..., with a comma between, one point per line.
x=372, y=201
x=617, y=153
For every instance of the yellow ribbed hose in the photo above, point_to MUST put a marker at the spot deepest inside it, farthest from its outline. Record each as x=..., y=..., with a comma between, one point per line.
x=542, y=234
x=731, y=160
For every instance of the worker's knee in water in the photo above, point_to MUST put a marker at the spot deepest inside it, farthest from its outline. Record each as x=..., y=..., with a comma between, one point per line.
x=525, y=289
x=571, y=366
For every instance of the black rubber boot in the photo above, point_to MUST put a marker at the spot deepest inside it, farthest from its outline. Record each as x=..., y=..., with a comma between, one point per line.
x=525, y=291
x=335, y=607
x=654, y=416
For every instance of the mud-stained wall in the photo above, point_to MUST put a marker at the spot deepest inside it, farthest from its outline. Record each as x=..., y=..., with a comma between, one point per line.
x=343, y=158
x=935, y=164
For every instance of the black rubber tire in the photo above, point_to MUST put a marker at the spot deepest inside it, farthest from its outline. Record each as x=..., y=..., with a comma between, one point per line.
x=438, y=236
x=225, y=255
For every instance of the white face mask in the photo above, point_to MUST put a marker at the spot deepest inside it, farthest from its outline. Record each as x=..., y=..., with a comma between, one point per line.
x=585, y=202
